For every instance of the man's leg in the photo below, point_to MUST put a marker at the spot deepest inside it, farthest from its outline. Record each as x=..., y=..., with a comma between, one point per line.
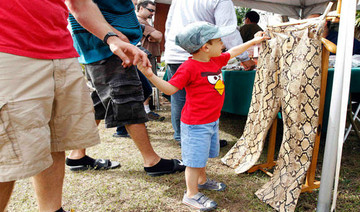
x=5, y=193
x=48, y=184
x=140, y=136
x=153, y=164
x=78, y=160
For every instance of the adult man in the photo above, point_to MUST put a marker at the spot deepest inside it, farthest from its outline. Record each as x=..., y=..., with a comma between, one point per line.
x=119, y=95
x=45, y=107
x=251, y=26
x=181, y=13
x=151, y=41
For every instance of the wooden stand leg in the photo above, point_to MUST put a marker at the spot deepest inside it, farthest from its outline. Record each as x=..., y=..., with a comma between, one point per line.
x=270, y=155
x=311, y=183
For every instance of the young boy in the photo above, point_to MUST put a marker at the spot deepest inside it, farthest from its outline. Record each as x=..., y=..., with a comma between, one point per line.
x=201, y=77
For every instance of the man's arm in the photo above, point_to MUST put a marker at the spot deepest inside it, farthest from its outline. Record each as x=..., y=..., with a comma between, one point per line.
x=152, y=34
x=234, y=39
x=87, y=13
x=121, y=35
x=155, y=36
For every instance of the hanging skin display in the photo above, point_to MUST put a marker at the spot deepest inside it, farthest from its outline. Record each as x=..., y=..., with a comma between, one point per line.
x=288, y=77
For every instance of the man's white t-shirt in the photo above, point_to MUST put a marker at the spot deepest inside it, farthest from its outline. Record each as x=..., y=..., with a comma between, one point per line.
x=183, y=12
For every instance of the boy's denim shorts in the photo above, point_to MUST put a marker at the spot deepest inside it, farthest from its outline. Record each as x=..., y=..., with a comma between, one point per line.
x=198, y=143
x=118, y=96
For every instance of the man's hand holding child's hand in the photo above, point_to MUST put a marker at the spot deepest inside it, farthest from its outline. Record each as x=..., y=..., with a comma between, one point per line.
x=147, y=71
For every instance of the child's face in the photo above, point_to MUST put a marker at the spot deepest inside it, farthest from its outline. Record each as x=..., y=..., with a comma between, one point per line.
x=215, y=48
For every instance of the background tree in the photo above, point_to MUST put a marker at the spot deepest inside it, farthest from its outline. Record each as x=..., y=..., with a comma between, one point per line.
x=240, y=14
x=357, y=25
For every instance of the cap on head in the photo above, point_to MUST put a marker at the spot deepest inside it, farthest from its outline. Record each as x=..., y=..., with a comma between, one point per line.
x=196, y=34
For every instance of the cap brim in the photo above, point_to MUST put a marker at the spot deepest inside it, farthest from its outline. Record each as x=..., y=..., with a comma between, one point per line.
x=225, y=31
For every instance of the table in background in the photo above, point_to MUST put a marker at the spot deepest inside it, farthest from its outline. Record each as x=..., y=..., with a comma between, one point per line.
x=239, y=85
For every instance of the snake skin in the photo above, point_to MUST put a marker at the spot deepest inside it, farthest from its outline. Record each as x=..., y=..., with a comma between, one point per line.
x=288, y=77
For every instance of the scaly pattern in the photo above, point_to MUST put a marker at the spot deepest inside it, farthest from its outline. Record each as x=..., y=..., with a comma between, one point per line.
x=288, y=77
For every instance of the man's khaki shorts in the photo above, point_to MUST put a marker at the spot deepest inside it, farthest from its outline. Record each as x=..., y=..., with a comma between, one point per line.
x=45, y=107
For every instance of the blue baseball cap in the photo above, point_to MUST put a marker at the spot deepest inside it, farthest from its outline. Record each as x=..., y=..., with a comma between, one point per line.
x=196, y=34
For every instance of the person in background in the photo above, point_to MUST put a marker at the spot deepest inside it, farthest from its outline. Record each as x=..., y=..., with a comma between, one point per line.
x=201, y=76
x=331, y=31
x=45, y=106
x=181, y=13
x=251, y=26
x=151, y=41
x=118, y=96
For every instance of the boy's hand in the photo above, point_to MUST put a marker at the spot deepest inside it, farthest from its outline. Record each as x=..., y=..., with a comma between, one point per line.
x=147, y=71
x=260, y=37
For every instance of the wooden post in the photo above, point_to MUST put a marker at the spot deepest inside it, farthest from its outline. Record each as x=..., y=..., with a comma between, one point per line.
x=310, y=182
x=270, y=154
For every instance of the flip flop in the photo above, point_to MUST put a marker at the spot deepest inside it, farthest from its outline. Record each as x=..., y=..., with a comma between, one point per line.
x=178, y=167
x=99, y=164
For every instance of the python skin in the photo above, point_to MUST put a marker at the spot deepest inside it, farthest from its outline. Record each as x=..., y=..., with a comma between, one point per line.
x=288, y=77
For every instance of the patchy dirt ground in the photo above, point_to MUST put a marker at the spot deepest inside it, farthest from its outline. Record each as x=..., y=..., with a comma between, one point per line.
x=130, y=189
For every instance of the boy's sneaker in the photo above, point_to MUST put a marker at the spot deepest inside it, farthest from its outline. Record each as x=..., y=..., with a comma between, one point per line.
x=154, y=116
x=200, y=202
x=212, y=185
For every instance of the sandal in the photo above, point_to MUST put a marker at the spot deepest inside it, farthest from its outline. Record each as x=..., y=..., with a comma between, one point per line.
x=99, y=164
x=178, y=167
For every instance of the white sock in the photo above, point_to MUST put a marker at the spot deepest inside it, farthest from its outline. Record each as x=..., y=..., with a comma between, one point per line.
x=147, y=108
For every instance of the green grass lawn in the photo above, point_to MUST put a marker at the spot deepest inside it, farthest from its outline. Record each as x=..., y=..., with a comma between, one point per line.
x=130, y=189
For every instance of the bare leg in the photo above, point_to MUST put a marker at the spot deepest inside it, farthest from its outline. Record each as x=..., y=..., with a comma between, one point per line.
x=202, y=176
x=192, y=178
x=140, y=136
x=48, y=184
x=80, y=153
x=5, y=193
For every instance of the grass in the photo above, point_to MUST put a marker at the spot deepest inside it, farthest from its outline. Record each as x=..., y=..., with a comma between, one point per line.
x=130, y=189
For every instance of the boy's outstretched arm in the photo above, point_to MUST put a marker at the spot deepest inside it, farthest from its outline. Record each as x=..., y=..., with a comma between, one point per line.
x=163, y=86
x=258, y=38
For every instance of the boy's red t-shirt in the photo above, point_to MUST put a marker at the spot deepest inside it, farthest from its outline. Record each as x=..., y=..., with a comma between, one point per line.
x=205, y=89
x=36, y=29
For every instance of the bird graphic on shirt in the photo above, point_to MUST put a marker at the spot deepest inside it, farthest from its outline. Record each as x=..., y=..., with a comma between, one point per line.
x=215, y=79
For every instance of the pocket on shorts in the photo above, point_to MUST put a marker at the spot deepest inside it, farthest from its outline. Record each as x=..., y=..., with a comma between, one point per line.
x=9, y=147
x=125, y=92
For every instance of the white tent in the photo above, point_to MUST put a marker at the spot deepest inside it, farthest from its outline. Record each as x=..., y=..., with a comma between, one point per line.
x=291, y=8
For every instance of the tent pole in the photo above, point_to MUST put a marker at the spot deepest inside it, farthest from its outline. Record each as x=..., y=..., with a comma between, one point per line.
x=338, y=107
